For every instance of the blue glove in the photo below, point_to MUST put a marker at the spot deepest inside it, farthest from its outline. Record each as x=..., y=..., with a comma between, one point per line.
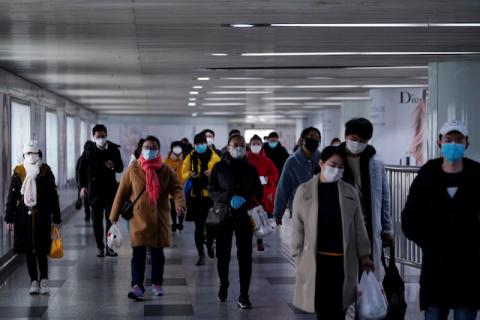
x=237, y=202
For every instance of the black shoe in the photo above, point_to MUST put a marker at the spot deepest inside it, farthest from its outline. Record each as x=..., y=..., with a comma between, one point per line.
x=210, y=252
x=222, y=293
x=201, y=260
x=111, y=253
x=244, y=303
x=100, y=253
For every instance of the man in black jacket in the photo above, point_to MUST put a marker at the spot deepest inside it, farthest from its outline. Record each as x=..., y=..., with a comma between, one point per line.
x=235, y=183
x=100, y=162
x=275, y=151
x=442, y=216
x=78, y=173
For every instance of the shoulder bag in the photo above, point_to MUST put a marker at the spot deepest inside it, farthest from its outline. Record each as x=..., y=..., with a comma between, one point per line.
x=127, y=209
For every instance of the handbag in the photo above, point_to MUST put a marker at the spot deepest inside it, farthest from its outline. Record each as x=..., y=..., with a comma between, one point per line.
x=127, y=209
x=56, y=248
x=218, y=214
x=262, y=227
x=394, y=289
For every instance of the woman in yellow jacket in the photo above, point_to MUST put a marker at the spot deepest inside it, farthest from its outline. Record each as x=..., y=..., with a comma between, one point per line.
x=197, y=167
x=175, y=161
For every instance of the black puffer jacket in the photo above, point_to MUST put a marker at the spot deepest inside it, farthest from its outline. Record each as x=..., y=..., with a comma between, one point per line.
x=99, y=180
x=232, y=177
x=278, y=155
x=448, y=231
x=33, y=232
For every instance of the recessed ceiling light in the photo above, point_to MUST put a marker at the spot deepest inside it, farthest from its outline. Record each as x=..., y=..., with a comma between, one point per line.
x=193, y=92
x=238, y=92
x=219, y=54
x=364, y=53
x=203, y=78
x=192, y=99
x=242, y=25
x=194, y=114
x=197, y=87
x=192, y=104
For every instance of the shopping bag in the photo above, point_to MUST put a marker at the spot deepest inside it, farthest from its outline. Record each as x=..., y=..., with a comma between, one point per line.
x=56, y=248
x=114, y=237
x=372, y=301
x=262, y=226
x=394, y=289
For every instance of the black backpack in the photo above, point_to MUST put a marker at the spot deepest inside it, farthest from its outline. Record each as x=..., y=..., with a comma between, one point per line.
x=394, y=289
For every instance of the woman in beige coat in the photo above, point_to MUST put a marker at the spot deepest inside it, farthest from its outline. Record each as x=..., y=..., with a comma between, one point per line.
x=150, y=225
x=329, y=240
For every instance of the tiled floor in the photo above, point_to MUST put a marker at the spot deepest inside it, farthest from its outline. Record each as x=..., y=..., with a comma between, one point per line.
x=86, y=287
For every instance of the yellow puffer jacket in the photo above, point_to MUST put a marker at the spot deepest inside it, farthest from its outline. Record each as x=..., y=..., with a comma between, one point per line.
x=187, y=168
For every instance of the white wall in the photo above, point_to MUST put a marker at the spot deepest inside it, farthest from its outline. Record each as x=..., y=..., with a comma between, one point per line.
x=328, y=121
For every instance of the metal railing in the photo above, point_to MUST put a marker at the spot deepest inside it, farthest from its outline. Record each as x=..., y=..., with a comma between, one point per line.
x=400, y=178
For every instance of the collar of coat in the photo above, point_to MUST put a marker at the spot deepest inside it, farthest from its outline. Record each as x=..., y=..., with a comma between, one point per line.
x=22, y=173
x=311, y=189
x=300, y=156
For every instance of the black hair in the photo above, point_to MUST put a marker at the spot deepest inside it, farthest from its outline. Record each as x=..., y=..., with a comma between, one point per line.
x=359, y=126
x=234, y=132
x=273, y=134
x=331, y=151
x=440, y=136
x=255, y=137
x=98, y=127
x=209, y=131
x=335, y=140
x=306, y=131
x=200, y=138
x=175, y=144
x=234, y=137
x=185, y=140
x=138, y=149
x=152, y=139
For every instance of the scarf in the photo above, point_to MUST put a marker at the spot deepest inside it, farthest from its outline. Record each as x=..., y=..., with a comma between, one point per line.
x=150, y=168
x=29, y=186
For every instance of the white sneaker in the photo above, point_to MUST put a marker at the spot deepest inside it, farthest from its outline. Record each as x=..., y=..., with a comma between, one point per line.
x=34, y=288
x=44, y=287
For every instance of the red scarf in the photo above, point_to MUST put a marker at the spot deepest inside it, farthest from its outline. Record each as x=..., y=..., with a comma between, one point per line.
x=150, y=168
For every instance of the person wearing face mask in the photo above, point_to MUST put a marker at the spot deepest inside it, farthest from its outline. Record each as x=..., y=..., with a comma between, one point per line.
x=442, y=217
x=366, y=173
x=232, y=132
x=268, y=177
x=210, y=134
x=235, y=183
x=186, y=147
x=175, y=161
x=100, y=163
x=197, y=167
x=299, y=168
x=275, y=151
x=154, y=182
x=335, y=142
x=32, y=205
x=82, y=199
x=328, y=240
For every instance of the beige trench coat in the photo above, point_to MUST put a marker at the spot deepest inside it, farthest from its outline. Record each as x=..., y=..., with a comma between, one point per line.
x=150, y=224
x=304, y=241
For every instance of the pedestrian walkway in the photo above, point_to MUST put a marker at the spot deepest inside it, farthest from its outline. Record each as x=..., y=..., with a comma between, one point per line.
x=86, y=287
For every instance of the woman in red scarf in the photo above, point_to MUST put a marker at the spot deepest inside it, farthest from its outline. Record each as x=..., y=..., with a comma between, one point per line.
x=150, y=225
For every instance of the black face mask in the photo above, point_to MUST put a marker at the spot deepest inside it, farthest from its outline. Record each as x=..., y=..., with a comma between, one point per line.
x=311, y=144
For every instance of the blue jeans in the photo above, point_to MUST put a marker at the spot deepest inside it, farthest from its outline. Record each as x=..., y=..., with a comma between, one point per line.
x=138, y=265
x=433, y=313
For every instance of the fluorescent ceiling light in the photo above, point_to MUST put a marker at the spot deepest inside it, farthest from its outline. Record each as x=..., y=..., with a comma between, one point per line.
x=194, y=114
x=322, y=104
x=345, y=86
x=241, y=78
x=251, y=87
x=197, y=87
x=372, y=86
x=364, y=53
x=346, y=98
x=219, y=113
x=192, y=99
x=222, y=104
x=219, y=54
x=242, y=25
x=193, y=92
x=203, y=78
x=226, y=99
x=386, y=68
x=288, y=98
x=375, y=25
x=238, y=92
x=280, y=104
x=192, y=104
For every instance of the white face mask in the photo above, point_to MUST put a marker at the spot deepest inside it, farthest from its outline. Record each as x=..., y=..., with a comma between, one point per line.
x=32, y=158
x=177, y=150
x=100, y=142
x=356, y=147
x=332, y=174
x=209, y=141
x=256, y=148
x=238, y=153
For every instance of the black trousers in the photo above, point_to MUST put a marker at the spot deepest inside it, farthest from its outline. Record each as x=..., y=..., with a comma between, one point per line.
x=198, y=208
x=329, y=288
x=32, y=260
x=139, y=255
x=87, y=208
x=176, y=220
x=239, y=224
x=100, y=212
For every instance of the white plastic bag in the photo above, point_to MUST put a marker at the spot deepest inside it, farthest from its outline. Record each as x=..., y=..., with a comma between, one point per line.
x=262, y=227
x=372, y=301
x=114, y=237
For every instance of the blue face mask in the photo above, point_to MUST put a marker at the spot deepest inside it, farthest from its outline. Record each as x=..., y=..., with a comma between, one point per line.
x=149, y=154
x=453, y=151
x=201, y=148
x=273, y=144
